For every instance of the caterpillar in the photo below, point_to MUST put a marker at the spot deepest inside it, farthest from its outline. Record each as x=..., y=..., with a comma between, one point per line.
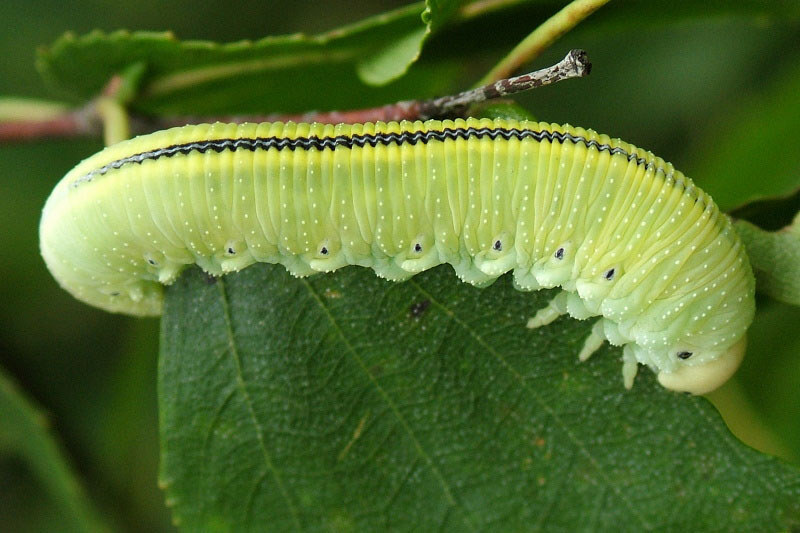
x=627, y=237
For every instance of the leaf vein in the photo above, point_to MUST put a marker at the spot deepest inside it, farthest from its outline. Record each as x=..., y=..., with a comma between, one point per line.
x=242, y=386
x=581, y=446
x=392, y=405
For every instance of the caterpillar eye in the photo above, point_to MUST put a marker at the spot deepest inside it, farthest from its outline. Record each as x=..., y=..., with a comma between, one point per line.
x=684, y=355
x=231, y=251
x=324, y=251
x=610, y=275
x=418, y=247
x=559, y=254
x=498, y=246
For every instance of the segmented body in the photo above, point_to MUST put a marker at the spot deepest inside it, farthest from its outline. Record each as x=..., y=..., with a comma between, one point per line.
x=625, y=234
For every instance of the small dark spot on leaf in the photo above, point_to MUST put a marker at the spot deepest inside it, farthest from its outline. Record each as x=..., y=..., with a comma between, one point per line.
x=418, y=309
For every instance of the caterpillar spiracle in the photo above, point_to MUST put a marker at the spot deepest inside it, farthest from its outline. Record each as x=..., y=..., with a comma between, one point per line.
x=625, y=235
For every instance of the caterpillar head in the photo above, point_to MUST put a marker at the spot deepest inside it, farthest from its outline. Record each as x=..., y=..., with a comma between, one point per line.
x=706, y=374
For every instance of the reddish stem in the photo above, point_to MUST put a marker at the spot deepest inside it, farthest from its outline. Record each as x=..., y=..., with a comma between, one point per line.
x=68, y=125
x=88, y=121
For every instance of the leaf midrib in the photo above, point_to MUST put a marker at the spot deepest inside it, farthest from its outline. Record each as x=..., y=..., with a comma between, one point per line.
x=425, y=456
x=580, y=445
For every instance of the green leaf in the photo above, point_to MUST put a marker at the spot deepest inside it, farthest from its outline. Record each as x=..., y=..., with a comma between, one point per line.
x=775, y=258
x=745, y=159
x=24, y=434
x=345, y=402
x=392, y=60
x=502, y=109
x=254, y=77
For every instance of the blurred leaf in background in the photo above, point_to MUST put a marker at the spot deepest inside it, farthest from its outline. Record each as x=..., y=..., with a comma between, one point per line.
x=708, y=86
x=250, y=77
x=29, y=451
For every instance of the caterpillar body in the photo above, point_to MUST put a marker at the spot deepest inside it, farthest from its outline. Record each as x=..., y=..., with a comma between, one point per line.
x=625, y=235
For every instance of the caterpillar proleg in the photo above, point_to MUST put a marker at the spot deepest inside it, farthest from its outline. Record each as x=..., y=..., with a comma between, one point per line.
x=627, y=237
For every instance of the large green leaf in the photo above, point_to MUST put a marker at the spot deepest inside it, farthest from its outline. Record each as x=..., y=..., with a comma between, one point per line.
x=775, y=257
x=345, y=402
x=25, y=435
x=206, y=77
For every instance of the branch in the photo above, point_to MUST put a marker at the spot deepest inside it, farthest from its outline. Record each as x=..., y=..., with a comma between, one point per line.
x=574, y=65
x=22, y=119
x=105, y=113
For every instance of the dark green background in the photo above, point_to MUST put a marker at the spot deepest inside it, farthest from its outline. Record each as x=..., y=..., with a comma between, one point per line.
x=667, y=79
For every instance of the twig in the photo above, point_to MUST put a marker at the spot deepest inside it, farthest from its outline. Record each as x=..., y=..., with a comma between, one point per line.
x=106, y=111
x=68, y=125
x=542, y=37
x=574, y=65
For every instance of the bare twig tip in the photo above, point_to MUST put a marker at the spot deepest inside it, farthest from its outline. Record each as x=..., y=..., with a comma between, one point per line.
x=580, y=61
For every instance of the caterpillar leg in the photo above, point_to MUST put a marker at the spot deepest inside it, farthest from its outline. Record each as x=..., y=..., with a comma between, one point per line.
x=630, y=366
x=593, y=342
x=554, y=309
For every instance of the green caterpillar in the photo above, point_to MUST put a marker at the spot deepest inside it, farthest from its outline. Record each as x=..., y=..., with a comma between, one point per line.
x=627, y=236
